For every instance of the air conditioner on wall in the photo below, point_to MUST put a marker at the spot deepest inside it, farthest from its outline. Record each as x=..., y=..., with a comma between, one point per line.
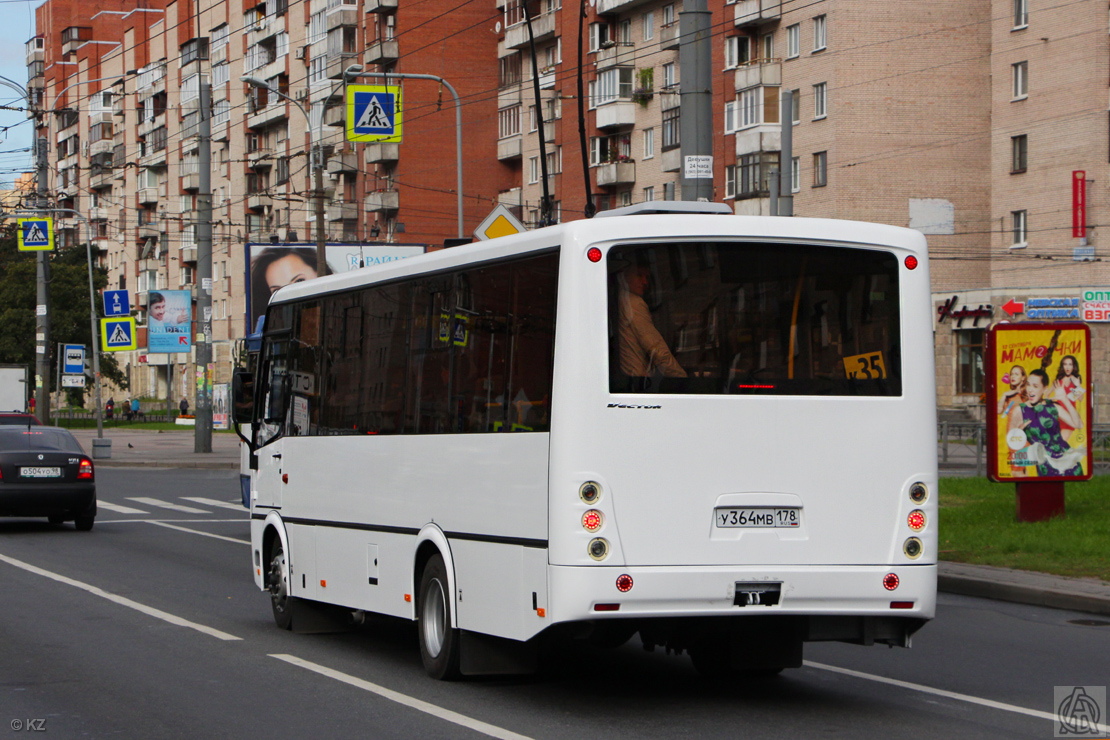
x=301, y=52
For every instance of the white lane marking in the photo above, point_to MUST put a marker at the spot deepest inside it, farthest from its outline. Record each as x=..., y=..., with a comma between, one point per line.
x=197, y=531
x=119, y=509
x=408, y=701
x=941, y=692
x=214, y=502
x=167, y=505
x=121, y=600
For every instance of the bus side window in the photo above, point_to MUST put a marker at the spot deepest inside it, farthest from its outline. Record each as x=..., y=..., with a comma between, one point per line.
x=276, y=397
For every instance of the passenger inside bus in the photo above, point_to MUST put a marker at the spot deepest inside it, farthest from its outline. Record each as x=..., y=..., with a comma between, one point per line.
x=642, y=350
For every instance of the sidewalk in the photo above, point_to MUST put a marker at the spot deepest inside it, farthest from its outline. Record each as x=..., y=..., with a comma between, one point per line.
x=174, y=449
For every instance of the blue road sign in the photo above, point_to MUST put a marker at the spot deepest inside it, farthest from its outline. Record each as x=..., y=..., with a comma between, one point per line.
x=36, y=234
x=116, y=303
x=74, y=359
x=117, y=334
x=374, y=113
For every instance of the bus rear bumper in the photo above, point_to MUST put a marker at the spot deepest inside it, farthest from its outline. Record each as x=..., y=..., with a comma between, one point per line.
x=591, y=592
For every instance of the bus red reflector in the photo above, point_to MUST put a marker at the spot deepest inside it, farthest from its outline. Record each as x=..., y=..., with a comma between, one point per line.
x=911, y=262
x=755, y=385
x=593, y=254
x=901, y=605
x=607, y=607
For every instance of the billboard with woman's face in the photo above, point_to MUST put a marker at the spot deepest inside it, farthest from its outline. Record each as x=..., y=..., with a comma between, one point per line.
x=1038, y=402
x=273, y=266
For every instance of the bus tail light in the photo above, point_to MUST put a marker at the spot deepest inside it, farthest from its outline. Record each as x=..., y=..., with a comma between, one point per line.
x=916, y=520
x=913, y=548
x=607, y=607
x=901, y=605
x=598, y=548
x=624, y=583
x=891, y=581
x=593, y=254
x=911, y=262
x=592, y=520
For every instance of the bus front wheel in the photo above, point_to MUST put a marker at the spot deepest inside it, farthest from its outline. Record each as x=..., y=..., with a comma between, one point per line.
x=439, y=642
x=277, y=580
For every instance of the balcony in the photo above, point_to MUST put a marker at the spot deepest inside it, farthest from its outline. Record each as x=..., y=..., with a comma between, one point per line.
x=74, y=37
x=342, y=162
x=338, y=62
x=259, y=201
x=759, y=72
x=189, y=253
x=104, y=146
x=381, y=153
x=101, y=178
x=273, y=112
x=751, y=12
x=190, y=181
x=261, y=158
x=670, y=98
x=766, y=137
x=547, y=78
x=668, y=36
x=156, y=158
x=543, y=28
x=671, y=160
x=620, y=114
x=512, y=198
x=383, y=200
x=383, y=52
x=616, y=173
x=510, y=148
x=615, y=55
x=149, y=231
x=380, y=6
x=147, y=125
x=336, y=116
x=344, y=15
x=618, y=6
x=148, y=196
x=35, y=49
x=342, y=211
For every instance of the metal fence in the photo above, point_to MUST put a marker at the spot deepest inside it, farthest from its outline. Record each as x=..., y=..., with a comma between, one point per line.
x=962, y=447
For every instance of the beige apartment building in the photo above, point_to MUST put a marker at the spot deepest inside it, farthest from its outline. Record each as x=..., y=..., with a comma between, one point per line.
x=965, y=120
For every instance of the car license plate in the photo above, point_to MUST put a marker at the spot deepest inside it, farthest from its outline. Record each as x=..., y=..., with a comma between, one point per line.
x=758, y=517
x=40, y=472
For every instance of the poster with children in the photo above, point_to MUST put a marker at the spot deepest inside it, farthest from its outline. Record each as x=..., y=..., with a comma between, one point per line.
x=1038, y=402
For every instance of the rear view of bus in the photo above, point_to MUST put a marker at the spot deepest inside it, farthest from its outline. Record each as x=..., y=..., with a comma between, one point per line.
x=743, y=450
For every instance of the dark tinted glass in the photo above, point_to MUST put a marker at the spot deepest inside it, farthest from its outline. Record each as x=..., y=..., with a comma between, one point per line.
x=38, y=438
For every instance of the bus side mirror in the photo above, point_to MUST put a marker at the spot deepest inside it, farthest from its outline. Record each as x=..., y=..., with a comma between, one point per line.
x=242, y=394
x=275, y=399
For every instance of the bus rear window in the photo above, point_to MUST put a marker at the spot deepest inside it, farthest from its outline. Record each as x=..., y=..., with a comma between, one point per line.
x=753, y=318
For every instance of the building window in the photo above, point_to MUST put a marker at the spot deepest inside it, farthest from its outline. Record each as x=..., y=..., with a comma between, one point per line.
x=1021, y=13
x=730, y=181
x=509, y=70
x=1020, y=229
x=648, y=25
x=670, y=79
x=795, y=174
x=793, y=41
x=1021, y=80
x=769, y=46
x=1019, y=160
x=737, y=51
x=754, y=174
x=668, y=14
x=670, y=128
x=732, y=116
x=508, y=121
x=796, y=106
x=969, y=359
x=533, y=170
x=820, y=100
x=820, y=174
x=613, y=84
x=820, y=32
x=668, y=191
x=649, y=194
x=649, y=143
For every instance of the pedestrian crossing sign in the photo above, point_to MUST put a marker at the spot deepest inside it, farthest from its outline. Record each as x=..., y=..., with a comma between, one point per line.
x=36, y=234
x=374, y=113
x=117, y=334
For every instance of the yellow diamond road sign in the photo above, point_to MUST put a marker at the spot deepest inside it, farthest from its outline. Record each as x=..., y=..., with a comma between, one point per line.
x=500, y=222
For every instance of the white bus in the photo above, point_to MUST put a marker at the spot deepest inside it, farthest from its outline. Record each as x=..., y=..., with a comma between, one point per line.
x=712, y=430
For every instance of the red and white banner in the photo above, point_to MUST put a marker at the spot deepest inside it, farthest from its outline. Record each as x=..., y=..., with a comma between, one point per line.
x=1079, y=204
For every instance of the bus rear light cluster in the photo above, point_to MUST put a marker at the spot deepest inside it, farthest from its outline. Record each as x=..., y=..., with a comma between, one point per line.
x=590, y=492
x=592, y=520
x=891, y=581
x=624, y=583
x=913, y=548
x=916, y=520
x=918, y=493
x=598, y=548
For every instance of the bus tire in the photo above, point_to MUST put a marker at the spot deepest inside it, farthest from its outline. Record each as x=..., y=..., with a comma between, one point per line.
x=439, y=642
x=277, y=582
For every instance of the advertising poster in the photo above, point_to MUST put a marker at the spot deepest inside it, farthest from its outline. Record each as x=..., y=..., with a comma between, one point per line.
x=1038, y=402
x=221, y=402
x=273, y=266
x=169, y=320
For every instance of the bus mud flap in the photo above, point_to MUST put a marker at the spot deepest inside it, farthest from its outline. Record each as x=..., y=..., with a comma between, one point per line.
x=486, y=655
x=314, y=618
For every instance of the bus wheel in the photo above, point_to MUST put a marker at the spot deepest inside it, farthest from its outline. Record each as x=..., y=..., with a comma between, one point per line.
x=277, y=581
x=439, y=642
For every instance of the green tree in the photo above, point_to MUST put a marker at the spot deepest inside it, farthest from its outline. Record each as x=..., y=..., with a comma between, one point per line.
x=69, y=307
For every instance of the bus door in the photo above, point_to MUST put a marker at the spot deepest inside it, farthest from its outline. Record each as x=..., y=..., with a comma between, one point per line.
x=272, y=417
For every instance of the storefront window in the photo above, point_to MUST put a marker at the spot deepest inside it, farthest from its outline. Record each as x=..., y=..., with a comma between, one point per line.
x=969, y=361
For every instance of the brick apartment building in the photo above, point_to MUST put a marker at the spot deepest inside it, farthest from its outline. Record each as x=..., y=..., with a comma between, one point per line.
x=963, y=119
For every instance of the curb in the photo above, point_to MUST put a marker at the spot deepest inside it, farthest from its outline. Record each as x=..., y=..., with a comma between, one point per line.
x=1088, y=595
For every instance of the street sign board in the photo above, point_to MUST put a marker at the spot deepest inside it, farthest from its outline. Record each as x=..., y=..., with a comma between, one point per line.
x=74, y=359
x=73, y=381
x=117, y=303
x=500, y=222
x=374, y=113
x=117, y=334
x=36, y=234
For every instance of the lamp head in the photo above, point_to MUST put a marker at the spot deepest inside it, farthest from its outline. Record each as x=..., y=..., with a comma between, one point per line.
x=254, y=81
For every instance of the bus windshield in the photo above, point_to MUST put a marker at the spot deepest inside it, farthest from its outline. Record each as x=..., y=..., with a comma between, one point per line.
x=720, y=317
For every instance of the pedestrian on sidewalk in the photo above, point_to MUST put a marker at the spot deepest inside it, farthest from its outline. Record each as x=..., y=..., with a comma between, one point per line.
x=184, y=406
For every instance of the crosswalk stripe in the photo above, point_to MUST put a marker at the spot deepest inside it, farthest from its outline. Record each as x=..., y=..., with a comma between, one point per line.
x=168, y=505
x=214, y=502
x=119, y=509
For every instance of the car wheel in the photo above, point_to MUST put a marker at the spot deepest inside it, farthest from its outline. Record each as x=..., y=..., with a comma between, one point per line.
x=277, y=580
x=439, y=642
x=84, y=523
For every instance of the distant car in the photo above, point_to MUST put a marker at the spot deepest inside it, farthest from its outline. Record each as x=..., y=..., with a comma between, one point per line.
x=44, y=472
x=18, y=418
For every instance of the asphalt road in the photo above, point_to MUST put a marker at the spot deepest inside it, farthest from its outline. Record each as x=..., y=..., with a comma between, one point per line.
x=150, y=626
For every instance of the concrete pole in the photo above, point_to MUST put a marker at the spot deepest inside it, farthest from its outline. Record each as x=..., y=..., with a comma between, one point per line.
x=696, y=88
x=42, y=296
x=202, y=431
x=786, y=155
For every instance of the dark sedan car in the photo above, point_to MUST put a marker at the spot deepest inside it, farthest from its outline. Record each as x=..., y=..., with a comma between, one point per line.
x=18, y=418
x=44, y=472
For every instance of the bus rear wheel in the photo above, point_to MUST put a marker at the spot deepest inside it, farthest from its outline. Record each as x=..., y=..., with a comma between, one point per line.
x=439, y=642
x=277, y=581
